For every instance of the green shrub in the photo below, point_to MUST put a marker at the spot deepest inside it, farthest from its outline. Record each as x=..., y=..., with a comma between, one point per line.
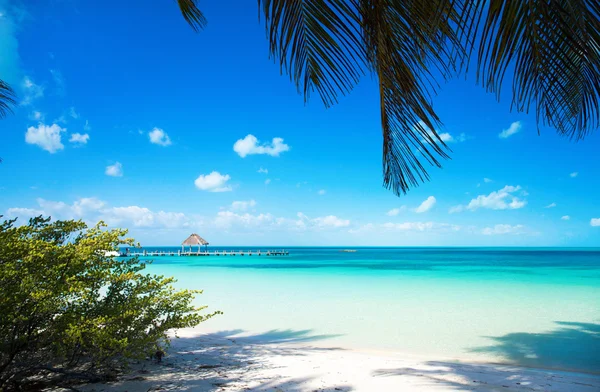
x=69, y=313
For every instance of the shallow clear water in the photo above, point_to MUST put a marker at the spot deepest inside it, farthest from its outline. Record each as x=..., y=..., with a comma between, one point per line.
x=532, y=307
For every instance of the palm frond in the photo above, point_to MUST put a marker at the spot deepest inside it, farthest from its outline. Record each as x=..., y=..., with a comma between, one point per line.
x=552, y=49
x=192, y=14
x=7, y=99
x=409, y=44
x=317, y=43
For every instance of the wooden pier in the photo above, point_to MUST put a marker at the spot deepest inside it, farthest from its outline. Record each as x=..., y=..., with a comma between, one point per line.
x=207, y=253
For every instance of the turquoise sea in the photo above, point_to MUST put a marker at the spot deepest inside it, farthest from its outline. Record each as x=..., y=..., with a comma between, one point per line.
x=532, y=307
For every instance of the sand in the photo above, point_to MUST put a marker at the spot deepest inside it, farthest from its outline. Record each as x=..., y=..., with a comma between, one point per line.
x=225, y=362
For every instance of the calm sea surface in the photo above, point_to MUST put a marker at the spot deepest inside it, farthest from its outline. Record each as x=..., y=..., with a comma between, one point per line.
x=532, y=307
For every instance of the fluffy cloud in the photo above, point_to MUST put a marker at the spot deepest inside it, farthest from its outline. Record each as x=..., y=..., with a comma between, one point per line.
x=242, y=205
x=115, y=170
x=504, y=199
x=504, y=229
x=59, y=81
x=160, y=137
x=250, y=146
x=514, y=128
x=551, y=205
x=213, y=182
x=444, y=136
x=73, y=113
x=421, y=226
x=264, y=171
x=595, y=222
x=566, y=217
x=426, y=205
x=36, y=116
x=93, y=210
x=79, y=138
x=48, y=137
x=330, y=221
x=31, y=91
x=574, y=174
x=322, y=192
x=395, y=211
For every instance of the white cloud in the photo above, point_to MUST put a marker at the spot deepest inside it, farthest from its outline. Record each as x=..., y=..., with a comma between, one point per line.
x=213, y=182
x=426, y=205
x=160, y=137
x=23, y=213
x=514, y=128
x=31, y=91
x=93, y=210
x=79, y=138
x=242, y=205
x=87, y=127
x=498, y=200
x=421, y=226
x=551, y=205
x=115, y=170
x=73, y=113
x=267, y=181
x=574, y=174
x=330, y=221
x=48, y=137
x=36, y=116
x=504, y=229
x=487, y=180
x=264, y=171
x=250, y=145
x=59, y=81
x=322, y=192
x=566, y=217
x=444, y=136
x=595, y=222
x=395, y=211
x=232, y=220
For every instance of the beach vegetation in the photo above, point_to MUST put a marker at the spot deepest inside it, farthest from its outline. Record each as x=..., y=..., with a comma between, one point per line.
x=71, y=313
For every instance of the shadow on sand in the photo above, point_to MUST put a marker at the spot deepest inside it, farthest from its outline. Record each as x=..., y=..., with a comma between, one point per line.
x=229, y=360
x=572, y=346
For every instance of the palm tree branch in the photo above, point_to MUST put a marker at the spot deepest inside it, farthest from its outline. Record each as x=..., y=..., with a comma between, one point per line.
x=551, y=50
x=7, y=99
x=192, y=14
x=408, y=46
x=317, y=43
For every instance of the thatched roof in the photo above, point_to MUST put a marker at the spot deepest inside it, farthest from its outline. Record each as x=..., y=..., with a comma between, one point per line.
x=195, y=239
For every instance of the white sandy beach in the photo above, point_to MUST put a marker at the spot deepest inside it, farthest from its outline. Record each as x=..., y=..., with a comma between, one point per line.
x=227, y=362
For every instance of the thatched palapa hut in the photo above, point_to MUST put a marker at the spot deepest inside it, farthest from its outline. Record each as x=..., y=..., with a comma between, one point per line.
x=194, y=240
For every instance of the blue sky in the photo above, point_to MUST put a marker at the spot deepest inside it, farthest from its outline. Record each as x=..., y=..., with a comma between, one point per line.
x=129, y=116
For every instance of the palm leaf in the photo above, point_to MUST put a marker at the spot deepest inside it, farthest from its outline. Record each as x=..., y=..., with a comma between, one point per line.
x=551, y=51
x=407, y=43
x=192, y=14
x=7, y=99
x=317, y=43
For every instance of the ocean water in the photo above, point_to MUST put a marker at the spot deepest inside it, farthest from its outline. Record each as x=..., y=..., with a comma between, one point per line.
x=530, y=307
